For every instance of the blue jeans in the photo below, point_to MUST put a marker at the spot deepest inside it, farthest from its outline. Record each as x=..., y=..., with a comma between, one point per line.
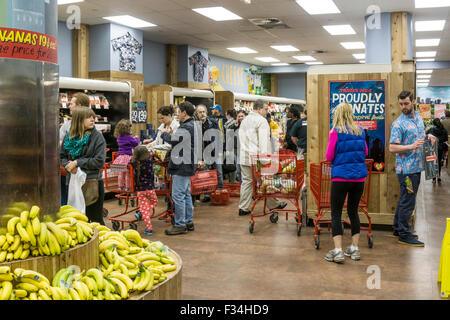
x=218, y=167
x=405, y=206
x=64, y=191
x=181, y=196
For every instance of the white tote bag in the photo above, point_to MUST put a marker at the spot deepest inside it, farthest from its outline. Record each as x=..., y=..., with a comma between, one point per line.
x=75, y=196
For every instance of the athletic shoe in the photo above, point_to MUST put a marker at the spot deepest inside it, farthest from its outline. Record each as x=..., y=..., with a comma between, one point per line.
x=412, y=242
x=148, y=232
x=176, y=230
x=190, y=226
x=332, y=256
x=243, y=213
x=281, y=206
x=395, y=235
x=354, y=254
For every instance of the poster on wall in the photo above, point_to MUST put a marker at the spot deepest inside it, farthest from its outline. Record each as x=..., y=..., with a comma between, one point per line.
x=439, y=110
x=139, y=112
x=425, y=111
x=368, y=100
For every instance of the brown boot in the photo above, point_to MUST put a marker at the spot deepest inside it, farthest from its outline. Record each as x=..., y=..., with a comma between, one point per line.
x=176, y=230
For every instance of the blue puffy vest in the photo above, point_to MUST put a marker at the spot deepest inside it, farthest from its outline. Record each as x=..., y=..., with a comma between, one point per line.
x=349, y=160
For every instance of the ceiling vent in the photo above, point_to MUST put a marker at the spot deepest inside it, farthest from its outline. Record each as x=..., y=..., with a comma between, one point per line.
x=268, y=23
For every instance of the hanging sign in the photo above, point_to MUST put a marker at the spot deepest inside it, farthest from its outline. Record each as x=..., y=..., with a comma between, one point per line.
x=425, y=111
x=29, y=45
x=368, y=100
x=439, y=110
x=139, y=112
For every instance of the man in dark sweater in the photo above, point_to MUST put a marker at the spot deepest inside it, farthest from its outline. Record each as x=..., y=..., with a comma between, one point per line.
x=182, y=167
x=299, y=131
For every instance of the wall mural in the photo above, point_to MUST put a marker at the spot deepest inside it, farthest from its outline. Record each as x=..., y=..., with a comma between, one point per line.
x=129, y=47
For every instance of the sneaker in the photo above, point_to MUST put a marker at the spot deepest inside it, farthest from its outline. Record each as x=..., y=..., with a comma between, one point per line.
x=332, y=256
x=206, y=199
x=176, y=230
x=190, y=226
x=354, y=254
x=148, y=232
x=243, y=213
x=395, y=235
x=412, y=242
x=281, y=206
x=434, y=180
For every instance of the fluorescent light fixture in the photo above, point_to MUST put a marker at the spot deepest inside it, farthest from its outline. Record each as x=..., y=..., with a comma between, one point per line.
x=318, y=6
x=427, y=42
x=432, y=3
x=423, y=76
x=287, y=48
x=359, y=56
x=242, y=50
x=304, y=58
x=217, y=13
x=353, y=45
x=423, y=71
x=425, y=60
x=433, y=25
x=279, y=64
x=422, y=84
x=130, y=21
x=362, y=61
x=61, y=2
x=267, y=59
x=313, y=62
x=426, y=54
x=338, y=30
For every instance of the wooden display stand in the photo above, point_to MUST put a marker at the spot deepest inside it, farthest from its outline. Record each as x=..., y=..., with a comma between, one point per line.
x=84, y=256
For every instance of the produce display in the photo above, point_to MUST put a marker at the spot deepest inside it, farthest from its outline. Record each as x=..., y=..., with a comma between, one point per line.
x=276, y=176
x=127, y=263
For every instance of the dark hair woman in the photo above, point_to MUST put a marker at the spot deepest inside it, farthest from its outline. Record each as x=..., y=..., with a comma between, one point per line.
x=441, y=133
x=166, y=119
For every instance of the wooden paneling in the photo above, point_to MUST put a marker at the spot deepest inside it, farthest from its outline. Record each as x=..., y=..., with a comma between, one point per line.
x=274, y=85
x=172, y=64
x=399, y=33
x=194, y=85
x=225, y=99
x=156, y=96
x=80, y=52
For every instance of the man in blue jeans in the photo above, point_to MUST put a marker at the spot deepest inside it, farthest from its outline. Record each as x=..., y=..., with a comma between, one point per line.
x=181, y=167
x=407, y=138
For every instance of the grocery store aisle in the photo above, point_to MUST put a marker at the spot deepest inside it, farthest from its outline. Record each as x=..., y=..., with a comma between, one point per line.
x=222, y=260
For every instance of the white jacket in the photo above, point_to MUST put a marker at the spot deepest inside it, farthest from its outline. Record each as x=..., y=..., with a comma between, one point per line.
x=254, y=137
x=159, y=143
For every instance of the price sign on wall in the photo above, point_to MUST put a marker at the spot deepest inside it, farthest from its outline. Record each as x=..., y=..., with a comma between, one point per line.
x=139, y=112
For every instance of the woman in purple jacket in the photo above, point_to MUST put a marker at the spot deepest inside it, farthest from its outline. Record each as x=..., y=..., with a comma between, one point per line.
x=126, y=143
x=347, y=150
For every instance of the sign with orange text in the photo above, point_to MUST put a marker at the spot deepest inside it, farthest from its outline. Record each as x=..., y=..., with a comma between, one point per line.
x=425, y=111
x=28, y=45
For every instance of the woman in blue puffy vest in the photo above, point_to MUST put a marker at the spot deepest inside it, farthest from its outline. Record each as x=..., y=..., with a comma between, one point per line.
x=347, y=150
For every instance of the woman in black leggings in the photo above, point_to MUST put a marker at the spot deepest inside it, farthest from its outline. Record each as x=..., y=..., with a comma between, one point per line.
x=347, y=150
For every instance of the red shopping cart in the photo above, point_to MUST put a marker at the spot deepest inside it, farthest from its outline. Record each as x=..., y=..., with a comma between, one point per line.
x=204, y=181
x=278, y=176
x=320, y=182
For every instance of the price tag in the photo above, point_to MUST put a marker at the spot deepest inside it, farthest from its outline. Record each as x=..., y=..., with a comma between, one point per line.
x=139, y=112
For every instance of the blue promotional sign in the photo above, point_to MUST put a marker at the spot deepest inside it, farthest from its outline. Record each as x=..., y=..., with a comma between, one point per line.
x=368, y=100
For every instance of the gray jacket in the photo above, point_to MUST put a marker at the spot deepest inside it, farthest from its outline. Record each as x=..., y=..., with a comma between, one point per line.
x=93, y=155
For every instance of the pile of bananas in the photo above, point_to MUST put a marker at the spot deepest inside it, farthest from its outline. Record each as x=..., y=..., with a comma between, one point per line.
x=26, y=235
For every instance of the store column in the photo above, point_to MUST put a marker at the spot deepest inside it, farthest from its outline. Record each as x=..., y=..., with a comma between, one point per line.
x=29, y=170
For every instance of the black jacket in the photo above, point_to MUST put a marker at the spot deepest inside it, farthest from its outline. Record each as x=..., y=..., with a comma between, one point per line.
x=93, y=155
x=441, y=134
x=178, y=165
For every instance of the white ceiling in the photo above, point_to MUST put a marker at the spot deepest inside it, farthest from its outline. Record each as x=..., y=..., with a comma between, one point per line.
x=178, y=24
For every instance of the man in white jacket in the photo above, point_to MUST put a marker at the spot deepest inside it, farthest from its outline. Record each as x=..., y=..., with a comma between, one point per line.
x=254, y=137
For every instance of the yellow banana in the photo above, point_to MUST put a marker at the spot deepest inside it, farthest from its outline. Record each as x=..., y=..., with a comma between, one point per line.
x=145, y=243
x=26, y=246
x=79, y=232
x=151, y=282
x=11, y=225
x=127, y=263
x=124, y=278
x=114, y=235
x=24, y=218
x=76, y=215
x=3, y=256
x=108, y=294
x=134, y=236
x=15, y=245
x=91, y=283
x=2, y=240
x=5, y=246
x=122, y=253
x=79, y=286
x=123, y=269
x=56, y=294
x=36, y=226
x=167, y=267
x=3, y=230
x=132, y=273
x=109, y=254
x=9, y=238
x=74, y=294
x=25, y=254
x=147, y=256
x=18, y=252
x=133, y=260
x=6, y=290
x=58, y=233
x=27, y=286
x=108, y=270
x=98, y=276
x=29, y=229
x=47, y=218
x=120, y=287
x=44, y=295
x=66, y=207
x=69, y=220
x=145, y=279
x=135, y=250
x=67, y=226
x=20, y=205
x=33, y=296
x=30, y=274
x=108, y=243
x=5, y=269
x=34, y=212
x=35, y=253
x=151, y=263
x=102, y=228
x=53, y=244
x=20, y=293
x=6, y=277
x=167, y=260
x=22, y=232
x=10, y=256
x=43, y=236
x=104, y=261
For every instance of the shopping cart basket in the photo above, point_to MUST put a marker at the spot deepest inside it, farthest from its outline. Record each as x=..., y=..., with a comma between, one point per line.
x=204, y=181
x=278, y=176
x=233, y=187
x=320, y=182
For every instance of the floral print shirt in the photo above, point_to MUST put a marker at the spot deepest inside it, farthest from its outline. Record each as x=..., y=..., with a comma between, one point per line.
x=405, y=130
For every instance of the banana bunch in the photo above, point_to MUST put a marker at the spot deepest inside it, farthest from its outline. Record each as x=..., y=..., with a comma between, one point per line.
x=26, y=235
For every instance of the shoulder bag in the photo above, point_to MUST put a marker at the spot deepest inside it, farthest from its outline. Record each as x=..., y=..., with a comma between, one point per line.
x=90, y=190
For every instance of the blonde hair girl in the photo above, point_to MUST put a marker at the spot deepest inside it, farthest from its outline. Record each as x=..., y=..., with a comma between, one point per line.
x=343, y=120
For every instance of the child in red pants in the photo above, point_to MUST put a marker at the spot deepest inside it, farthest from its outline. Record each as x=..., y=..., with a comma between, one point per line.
x=144, y=184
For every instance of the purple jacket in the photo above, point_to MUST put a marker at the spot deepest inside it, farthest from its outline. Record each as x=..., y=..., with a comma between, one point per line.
x=126, y=144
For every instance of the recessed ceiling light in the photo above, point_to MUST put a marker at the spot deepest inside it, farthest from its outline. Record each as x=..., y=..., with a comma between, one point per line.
x=280, y=64
x=318, y=6
x=422, y=84
x=359, y=56
x=313, y=62
x=425, y=60
x=434, y=25
x=353, y=45
x=267, y=59
x=427, y=42
x=217, y=13
x=130, y=21
x=340, y=29
x=426, y=54
x=423, y=76
x=242, y=50
x=285, y=48
x=423, y=81
x=432, y=3
x=61, y=2
x=424, y=71
x=304, y=58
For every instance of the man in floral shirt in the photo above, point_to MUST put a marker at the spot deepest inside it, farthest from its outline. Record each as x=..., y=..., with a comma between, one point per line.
x=407, y=138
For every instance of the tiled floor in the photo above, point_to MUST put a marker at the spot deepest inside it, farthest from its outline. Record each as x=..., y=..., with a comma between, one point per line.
x=222, y=260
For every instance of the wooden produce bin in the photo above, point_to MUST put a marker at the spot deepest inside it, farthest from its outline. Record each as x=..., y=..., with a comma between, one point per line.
x=384, y=190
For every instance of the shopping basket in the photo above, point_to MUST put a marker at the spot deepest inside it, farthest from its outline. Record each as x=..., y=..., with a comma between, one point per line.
x=320, y=182
x=278, y=176
x=204, y=182
x=234, y=188
x=220, y=197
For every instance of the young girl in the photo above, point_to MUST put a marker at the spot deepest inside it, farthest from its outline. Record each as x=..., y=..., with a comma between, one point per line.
x=144, y=184
x=126, y=144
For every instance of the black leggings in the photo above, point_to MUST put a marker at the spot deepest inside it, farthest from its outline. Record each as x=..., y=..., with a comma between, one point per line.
x=95, y=211
x=339, y=191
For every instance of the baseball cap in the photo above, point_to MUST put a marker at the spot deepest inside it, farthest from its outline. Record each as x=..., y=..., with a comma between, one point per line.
x=218, y=107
